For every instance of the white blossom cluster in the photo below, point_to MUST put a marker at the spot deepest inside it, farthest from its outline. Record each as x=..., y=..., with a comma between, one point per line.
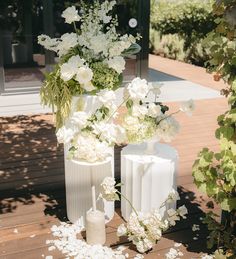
x=67, y=242
x=146, y=119
x=95, y=41
x=144, y=230
x=92, y=134
x=108, y=190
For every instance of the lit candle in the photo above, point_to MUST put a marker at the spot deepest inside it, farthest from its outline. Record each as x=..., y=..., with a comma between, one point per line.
x=95, y=224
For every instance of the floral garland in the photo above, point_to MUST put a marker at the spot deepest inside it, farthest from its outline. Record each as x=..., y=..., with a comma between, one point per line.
x=90, y=59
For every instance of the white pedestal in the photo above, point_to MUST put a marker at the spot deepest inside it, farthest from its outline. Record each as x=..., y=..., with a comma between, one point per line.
x=79, y=178
x=147, y=178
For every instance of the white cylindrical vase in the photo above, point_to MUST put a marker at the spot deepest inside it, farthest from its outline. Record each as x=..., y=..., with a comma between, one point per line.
x=148, y=178
x=79, y=177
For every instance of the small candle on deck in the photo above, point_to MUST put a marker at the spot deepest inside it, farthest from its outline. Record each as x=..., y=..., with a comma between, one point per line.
x=95, y=224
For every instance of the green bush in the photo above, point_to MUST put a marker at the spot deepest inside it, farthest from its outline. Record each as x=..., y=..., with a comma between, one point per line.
x=181, y=23
x=170, y=45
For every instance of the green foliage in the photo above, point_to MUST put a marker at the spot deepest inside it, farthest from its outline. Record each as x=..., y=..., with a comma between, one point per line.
x=215, y=173
x=57, y=94
x=221, y=236
x=105, y=77
x=170, y=45
x=180, y=26
x=191, y=19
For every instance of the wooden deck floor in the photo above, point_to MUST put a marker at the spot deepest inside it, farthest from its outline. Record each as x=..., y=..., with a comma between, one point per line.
x=32, y=192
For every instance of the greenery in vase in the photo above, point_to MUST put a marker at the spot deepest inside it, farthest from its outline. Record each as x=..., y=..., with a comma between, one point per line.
x=90, y=59
x=215, y=173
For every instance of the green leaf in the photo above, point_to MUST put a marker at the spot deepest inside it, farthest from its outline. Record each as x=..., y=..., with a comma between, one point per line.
x=199, y=176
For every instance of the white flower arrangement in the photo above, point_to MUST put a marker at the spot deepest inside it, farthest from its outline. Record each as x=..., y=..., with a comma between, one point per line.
x=90, y=135
x=144, y=230
x=90, y=59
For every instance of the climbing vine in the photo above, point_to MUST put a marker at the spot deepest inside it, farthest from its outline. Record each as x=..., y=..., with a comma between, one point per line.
x=215, y=173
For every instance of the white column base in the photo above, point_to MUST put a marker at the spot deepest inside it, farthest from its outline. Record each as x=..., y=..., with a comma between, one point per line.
x=148, y=178
x=79, y=177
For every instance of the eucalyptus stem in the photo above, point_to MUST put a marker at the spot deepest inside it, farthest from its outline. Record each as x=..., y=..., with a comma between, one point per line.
x=131, y=205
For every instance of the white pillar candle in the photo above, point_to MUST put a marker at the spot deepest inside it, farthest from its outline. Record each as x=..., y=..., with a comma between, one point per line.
x=95, y=224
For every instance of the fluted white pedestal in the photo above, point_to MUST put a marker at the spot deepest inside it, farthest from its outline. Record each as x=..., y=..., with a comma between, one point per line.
x=79, y=178
x=148, y=178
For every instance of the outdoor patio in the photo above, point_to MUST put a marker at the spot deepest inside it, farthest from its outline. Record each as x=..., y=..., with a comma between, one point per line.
x=32, y=188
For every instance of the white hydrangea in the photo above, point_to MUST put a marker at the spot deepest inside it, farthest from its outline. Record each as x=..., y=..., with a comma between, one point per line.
x=84, y=75
x=188, y=107
x=90, y=149
x=107, y=98
x=167, y=129
x=139, y=110
x=108, y=190
x=138, y=89
x=117, y=63
x=80, y=119
x=71, y=15
x=65, y=134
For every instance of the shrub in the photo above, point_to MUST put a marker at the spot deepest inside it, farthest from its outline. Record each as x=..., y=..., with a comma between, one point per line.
x=182, y=22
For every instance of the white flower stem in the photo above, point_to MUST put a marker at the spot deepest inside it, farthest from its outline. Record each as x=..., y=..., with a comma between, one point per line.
x=111, y=116
x=173, y=113
x=131, y=205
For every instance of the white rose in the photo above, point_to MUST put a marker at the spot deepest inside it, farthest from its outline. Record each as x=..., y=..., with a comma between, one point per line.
x=79, y=119
x=121, y=230
x=138, y=89
x=88, y=86
x=84, y=75
x=69, y=69
x=188, y=107
x=66, y=72
x=117, y=63
x=154, y=110
x=71, y=15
